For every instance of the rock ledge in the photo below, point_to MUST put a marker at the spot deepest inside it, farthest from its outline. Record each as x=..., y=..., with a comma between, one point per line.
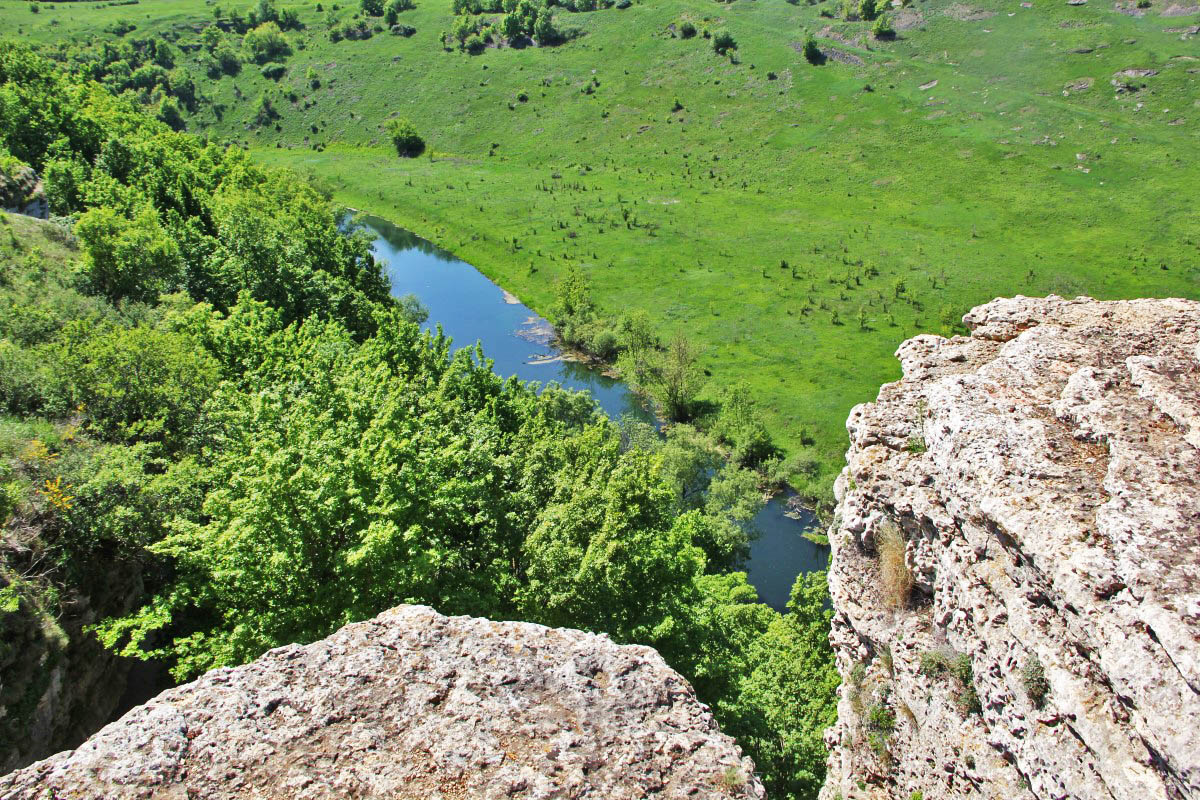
x=413, y=705
x=1038, y=480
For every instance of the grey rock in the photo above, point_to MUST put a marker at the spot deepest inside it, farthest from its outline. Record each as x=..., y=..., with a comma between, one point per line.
x=1042, y=475
x=416, y=706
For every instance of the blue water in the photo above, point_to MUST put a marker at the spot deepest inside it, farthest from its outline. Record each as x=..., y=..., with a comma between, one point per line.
x=470, y=308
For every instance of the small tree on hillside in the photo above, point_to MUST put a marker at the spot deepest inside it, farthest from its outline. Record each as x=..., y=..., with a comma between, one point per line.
x=812, y=53
x=404, y=136
x=373, y=8
x=267, y=43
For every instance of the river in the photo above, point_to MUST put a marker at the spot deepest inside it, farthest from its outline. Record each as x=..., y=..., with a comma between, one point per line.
x=470, y=308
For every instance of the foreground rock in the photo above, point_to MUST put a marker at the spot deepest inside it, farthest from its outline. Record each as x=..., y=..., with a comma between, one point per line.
x=1016, y=573
x=414, y=705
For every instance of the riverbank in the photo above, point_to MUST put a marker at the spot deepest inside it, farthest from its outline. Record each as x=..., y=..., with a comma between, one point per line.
x=471, y=308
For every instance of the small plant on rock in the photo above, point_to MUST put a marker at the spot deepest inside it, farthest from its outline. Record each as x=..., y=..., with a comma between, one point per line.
x=1033, y=678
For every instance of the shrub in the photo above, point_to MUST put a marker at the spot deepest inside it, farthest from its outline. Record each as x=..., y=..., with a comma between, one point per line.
x=267, y=43
x=33, y=8
x=687, y=30
x=227, y=60
x=273, y=70
x=604, y=345
x=1033, y=678
x=882, y=29
x=723, y=42
x=404, y=136
x=373, y=8
x=867, y=9
x=894, y=575
x=812, y=53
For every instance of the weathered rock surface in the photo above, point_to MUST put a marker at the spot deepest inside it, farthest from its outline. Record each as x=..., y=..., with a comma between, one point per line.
x=1042, y=476
x=22, y=193
x=414, y=705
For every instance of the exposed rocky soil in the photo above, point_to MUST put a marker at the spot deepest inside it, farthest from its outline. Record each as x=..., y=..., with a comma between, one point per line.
x=415, y=706
x=1016, y=574
x=21, y=193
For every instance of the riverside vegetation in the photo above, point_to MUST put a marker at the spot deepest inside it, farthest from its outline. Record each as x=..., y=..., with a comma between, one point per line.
x=840, y=177
x=206, y=384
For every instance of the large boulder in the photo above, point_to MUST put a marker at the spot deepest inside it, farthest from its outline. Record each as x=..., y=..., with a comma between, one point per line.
x=1016, y=561
x=413, y=705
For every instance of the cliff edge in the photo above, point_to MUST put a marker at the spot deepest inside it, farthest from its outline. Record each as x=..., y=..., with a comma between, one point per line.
x=1016, y=572
x=413, y=705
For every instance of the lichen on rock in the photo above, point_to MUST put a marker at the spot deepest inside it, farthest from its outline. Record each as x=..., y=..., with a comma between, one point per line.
x=413, y=705
x=1043, y=475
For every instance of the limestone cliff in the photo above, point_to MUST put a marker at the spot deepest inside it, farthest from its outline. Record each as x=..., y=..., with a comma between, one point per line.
x=1015, y=573
x=415, y=706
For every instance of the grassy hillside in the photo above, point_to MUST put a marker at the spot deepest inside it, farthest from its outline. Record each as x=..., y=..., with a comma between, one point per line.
x=984, y=151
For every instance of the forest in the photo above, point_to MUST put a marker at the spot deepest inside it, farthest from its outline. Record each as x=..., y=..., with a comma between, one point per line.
x=209, y=391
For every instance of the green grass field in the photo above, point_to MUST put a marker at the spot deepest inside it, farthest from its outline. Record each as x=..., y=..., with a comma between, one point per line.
x=1020, y=171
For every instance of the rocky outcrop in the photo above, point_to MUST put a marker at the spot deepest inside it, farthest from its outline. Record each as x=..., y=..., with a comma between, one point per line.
x=1016, y=573
x=21, y=193
x=415, y=706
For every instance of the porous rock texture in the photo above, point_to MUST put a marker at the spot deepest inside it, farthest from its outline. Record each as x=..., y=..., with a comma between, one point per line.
x=413, y=705
x=1039, y=478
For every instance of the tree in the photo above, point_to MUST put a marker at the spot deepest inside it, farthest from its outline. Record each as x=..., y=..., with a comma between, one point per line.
x=544, y=31
x=373, y=8
x=128, y=258
x=867, y=9
x=404, y=136
x=812, y=53
x=267, y=43
x=679, y=379
x=510, y=27
x=882, y=29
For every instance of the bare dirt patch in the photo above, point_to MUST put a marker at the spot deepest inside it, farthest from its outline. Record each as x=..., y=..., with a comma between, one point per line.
x=907, y=18
x=1176, y=10
x=964, y=13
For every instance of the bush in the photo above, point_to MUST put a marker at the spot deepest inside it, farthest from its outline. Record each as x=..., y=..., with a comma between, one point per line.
x=128, y=258
x=373, y=8
x=723, y=42
x=882, y=29
x=273, y=71
x=227, y=60
x=894, y=576
x=812, y=53
x=1033, y=678
x=267, y=43
x=687, y=30
x=604, y=345
x=405, y=139
x=867, y=9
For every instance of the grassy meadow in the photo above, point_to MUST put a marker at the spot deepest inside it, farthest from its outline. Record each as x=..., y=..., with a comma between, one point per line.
x=796, y=221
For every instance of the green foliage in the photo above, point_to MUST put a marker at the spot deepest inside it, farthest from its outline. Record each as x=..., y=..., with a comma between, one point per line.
x=723, y=42
x=1033, y=680
x=812, y=52
x=882, y=29
x=130, y=258
x=404, y=137
x=687, y=30
x=138, y=384
x=267, y=43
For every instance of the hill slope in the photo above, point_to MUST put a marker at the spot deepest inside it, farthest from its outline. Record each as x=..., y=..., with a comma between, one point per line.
x=983, y=151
